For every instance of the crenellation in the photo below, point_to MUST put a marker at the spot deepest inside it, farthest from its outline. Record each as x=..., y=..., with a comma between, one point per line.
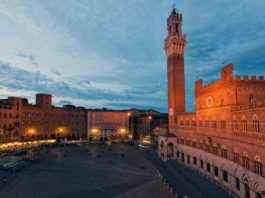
x=198, y=84
x=253, y=78
x=238, y=78
x=261, y=78
x=245, y=78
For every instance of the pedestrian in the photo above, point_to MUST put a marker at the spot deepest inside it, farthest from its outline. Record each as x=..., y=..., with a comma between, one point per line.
x=5, y=179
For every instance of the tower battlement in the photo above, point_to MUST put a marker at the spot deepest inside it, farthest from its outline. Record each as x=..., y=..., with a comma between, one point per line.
x=227, y=77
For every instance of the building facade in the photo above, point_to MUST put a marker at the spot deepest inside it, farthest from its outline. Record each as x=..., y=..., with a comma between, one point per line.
x=143, y=123
x=225, y=137
x=21, y=121
x=103, y=124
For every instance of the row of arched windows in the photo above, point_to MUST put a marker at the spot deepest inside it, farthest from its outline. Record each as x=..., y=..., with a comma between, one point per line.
x=243, y=124
x=255, y=165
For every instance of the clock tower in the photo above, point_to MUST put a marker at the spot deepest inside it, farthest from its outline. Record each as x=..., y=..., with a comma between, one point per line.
x=175, y=44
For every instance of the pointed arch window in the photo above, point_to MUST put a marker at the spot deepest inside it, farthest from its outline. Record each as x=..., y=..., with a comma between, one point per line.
x=244, y=123
x=255, y=124
x=245, y=160
x=236, y=156
x=224, y=151
x=258, y=165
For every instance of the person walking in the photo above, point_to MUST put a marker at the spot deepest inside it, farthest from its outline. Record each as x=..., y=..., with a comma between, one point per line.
x=4, y=179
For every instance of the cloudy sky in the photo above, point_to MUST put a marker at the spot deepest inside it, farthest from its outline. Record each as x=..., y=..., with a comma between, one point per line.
x=109, y=53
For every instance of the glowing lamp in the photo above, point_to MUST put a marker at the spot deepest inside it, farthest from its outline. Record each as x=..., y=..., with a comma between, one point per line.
x=129, y=113
x=60, y=129
x=150, y=117
x=94, y=130
x=31, y=131
x=123, y=130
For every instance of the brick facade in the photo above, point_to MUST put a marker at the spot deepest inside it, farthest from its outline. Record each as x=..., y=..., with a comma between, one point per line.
x=226, y=133
x=24, y=121
x=105, y=124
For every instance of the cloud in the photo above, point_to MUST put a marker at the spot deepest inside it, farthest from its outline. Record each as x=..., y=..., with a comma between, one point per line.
x=55, y=71
x=18, y=79
x=64, y=102
x=31, y=58
x=111, y=52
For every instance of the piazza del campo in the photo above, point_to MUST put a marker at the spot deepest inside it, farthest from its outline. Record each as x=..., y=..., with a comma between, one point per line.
x=68, y=151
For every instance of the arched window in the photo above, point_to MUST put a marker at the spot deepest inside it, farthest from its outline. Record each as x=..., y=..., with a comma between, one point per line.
x=245, y=160
x=258, y=165
x=187, y=123
x=194, y=143
x=224, y=151
x=201, y=144
x=200, y=122
x=188, y=142
x=181, y=122
x=214, y=124
x=255, y=123
x=223, y=123
x=182, y=140
x=235, y=124
x=215, y=149
x=208, y=147
x=244, y=123
x=236, y=156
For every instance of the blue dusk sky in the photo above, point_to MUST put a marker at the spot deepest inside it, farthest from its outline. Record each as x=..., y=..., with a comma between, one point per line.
x=109, y=53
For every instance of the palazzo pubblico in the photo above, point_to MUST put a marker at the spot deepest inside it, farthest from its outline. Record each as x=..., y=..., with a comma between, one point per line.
x=224, y=138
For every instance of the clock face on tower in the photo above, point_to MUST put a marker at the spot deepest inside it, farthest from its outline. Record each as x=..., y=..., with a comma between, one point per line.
x=170, y=111
x=209, y=101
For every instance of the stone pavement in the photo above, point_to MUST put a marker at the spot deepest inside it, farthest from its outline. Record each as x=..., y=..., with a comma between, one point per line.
x=85, y=171
x=185, y=181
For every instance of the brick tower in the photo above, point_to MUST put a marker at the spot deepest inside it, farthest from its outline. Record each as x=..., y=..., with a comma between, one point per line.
x=175, y=44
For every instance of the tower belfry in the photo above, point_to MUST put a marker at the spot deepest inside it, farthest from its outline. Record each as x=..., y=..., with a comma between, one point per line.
x=175, y=45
